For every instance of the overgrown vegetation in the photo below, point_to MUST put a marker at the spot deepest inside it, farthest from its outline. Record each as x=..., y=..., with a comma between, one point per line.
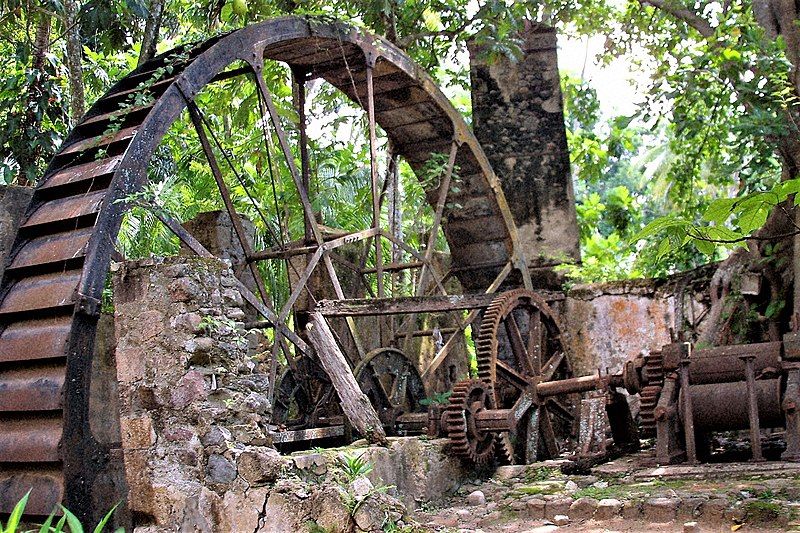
x=694, y=172
x=53, y=524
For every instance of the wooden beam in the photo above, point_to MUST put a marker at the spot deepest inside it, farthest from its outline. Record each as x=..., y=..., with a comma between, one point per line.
x=301, y=435
x=355, y=404
x=398, y=306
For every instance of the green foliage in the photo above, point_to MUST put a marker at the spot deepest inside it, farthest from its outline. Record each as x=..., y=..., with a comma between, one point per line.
x=440, y=398
x=67, y=522
x=726, y=222
x=354, y=466
x=698, y=157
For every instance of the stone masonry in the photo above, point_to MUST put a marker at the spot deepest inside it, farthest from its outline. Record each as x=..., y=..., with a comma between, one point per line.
x=518, y=118
x=13, y=203
x=193, y=397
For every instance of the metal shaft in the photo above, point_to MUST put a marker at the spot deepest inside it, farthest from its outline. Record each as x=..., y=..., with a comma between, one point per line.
x=688, y=417
x=752, y=406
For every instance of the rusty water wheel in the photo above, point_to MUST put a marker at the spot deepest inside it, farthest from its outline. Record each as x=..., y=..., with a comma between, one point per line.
x=392, y=383
x=469, y=398
x=519, y=345
x=52, y=289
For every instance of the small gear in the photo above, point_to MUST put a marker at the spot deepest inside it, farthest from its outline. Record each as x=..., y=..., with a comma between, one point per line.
x=653, y=373
x=469, y=398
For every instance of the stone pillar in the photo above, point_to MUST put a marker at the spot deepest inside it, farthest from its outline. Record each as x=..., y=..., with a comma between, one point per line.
x=215, y=231
x=518, y=117
x=192, y=395
x=13, y=204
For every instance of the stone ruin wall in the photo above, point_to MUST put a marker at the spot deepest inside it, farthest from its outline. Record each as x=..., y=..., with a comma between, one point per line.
x=194, y=420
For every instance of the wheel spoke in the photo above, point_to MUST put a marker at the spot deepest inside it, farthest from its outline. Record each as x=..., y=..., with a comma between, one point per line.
x=511, y=376
x=378, y=385
x=552, y=365
x=560, y=409
x=535, y=341
x=533, y=441
x=399, y=388
x=548, y=434
x=197, y=121
x=517, y=344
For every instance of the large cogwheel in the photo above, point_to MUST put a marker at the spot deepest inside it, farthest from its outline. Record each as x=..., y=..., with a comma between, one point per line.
x=519, y=344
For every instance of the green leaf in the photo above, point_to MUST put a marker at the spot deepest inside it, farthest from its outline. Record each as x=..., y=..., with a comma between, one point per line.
x=72, y=521
x=730, y=54
x=658, y=226
x=721, y=233
x=719, y=210
x=16, y=515
x=102, y=524
x=663, y=248
x=753, y=218
x=786, y=188
x=59, y=525
x=774, y=308
x=704, y=247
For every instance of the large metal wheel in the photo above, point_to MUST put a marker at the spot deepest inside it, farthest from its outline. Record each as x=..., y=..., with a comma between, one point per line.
x=392, y=383
x=519, y=346
x=51, y=292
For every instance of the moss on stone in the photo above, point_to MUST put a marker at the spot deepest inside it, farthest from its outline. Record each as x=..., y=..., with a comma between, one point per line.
x=765, y=512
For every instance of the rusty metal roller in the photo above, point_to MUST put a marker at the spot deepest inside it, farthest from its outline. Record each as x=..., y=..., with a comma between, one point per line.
x=723, y=406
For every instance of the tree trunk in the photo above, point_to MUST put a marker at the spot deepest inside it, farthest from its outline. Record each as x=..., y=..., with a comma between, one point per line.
x=779, y=18
x=77, y=100
x=32, y=116
x=151, y=31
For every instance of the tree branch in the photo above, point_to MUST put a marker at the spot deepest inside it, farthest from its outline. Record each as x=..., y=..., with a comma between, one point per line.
x=681, y=12
x=745, y=238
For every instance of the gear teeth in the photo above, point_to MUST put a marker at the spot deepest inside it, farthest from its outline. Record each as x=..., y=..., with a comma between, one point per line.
x=455, y=422
x=486, y=348
x=654, y=375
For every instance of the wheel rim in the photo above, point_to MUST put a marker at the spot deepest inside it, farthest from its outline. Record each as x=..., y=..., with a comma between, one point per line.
x=392, y=383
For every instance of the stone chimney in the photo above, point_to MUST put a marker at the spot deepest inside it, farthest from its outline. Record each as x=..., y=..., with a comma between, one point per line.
x=518, y=117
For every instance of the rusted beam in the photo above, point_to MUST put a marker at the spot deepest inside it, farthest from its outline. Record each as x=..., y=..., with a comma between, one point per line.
x=444, y=188
x=373, y=170
x=216, y=171
x=399, y=306
x=395, y=267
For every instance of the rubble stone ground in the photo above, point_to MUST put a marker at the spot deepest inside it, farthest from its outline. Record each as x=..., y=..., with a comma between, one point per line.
x=626, y=495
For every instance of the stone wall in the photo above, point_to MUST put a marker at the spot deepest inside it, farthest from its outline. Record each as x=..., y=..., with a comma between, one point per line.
x=606, y=324
x=13, y=203
x=194, y=413
x=518, y=118
x=193, y=397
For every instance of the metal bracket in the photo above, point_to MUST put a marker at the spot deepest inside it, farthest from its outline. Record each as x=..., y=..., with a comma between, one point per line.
x=88, y=306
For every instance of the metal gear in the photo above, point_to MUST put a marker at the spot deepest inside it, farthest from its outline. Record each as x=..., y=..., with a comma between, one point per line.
x=653, y=374
x=541, y=358
x=469, y=398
